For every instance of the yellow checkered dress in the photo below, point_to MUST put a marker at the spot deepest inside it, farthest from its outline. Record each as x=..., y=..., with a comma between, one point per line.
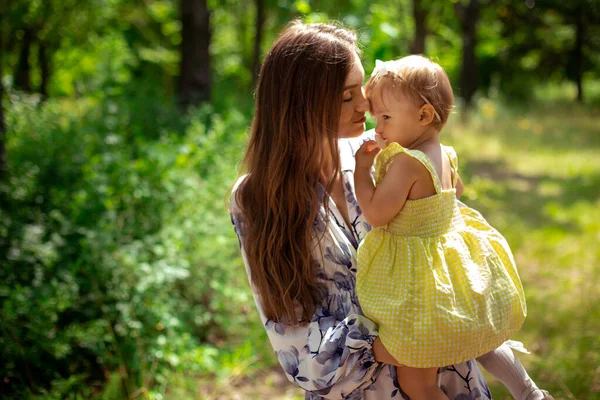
x=440, y=282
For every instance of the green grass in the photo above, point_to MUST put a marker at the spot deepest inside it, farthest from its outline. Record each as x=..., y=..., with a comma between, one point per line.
x=535, y=175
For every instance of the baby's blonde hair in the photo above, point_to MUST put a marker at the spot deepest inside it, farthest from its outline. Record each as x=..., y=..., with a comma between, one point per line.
x=419, y=78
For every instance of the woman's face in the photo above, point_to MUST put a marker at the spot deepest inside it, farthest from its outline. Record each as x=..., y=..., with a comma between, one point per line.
x=355, y=104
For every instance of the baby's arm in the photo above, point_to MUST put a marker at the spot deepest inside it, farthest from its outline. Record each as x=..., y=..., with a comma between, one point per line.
x=380, y=204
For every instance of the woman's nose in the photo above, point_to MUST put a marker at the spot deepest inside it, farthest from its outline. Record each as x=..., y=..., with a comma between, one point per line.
x=363, y=103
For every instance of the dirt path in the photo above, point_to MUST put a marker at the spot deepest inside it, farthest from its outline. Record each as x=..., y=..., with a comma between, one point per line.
x=268, y=384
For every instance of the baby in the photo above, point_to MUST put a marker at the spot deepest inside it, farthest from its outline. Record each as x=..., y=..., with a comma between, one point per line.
x=440, y=282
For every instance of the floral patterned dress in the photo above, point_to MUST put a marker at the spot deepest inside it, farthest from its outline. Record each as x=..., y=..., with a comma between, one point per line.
x=331, y=358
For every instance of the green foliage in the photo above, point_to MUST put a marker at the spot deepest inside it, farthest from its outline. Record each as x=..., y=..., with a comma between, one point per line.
x=118, y=247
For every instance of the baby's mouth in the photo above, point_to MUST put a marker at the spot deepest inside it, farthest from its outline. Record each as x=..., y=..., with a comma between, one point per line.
x=381, y=141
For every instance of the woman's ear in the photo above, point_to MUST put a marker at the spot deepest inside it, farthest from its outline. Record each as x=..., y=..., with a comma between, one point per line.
x=426, y=114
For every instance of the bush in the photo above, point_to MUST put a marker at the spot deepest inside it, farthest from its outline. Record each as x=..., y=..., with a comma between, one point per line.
x=117, y=253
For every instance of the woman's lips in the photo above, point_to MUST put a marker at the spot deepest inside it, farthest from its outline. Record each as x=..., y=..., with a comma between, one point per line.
x=362, y=120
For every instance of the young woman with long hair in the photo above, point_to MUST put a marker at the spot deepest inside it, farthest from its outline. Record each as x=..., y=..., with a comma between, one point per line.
x=299, y=224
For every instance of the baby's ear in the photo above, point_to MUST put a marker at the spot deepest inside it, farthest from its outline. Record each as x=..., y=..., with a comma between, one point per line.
x=426, y=114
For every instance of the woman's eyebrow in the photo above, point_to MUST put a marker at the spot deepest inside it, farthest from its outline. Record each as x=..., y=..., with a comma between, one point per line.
x=350, y=86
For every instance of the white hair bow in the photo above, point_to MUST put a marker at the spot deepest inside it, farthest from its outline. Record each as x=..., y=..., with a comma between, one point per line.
x=380, y=66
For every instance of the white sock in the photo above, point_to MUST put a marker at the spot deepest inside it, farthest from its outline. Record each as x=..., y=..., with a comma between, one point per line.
x=506, y=367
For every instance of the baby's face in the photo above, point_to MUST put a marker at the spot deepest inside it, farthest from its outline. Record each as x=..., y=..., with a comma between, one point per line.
x=397, y=117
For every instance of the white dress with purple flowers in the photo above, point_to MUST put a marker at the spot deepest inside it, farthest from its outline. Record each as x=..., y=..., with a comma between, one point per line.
x=331, y=358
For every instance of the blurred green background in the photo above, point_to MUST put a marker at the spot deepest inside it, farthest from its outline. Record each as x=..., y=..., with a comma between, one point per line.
x=123, y=124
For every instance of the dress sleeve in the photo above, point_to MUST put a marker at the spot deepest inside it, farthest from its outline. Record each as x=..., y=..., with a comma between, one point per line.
x=452, y=156
x=331, y=356
x=453, y=163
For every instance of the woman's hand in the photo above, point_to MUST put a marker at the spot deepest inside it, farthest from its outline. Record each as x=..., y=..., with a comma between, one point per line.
x=382, y=355
x=365, y=155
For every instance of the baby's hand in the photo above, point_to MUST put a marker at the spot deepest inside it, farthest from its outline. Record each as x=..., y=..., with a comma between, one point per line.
x=366, y=154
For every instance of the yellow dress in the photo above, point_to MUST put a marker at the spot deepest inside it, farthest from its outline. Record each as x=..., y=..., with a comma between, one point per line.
x=440, y=282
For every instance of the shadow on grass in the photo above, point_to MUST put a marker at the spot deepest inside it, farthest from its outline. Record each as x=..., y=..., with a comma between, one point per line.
x=556, y=127
x=531, y=198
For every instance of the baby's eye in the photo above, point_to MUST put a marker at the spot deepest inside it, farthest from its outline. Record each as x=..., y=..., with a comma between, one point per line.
x=386, y=117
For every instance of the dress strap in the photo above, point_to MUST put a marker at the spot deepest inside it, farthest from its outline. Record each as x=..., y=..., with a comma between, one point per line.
x=422, y=157
x=384, y=159
x=393, y=149
x=453, y=163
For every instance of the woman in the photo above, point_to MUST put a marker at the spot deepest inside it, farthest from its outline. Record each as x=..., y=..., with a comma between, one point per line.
x=299, y=224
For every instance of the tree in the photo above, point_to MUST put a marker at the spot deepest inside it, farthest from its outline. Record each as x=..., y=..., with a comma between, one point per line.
x=533, y=50
x=420, y=17
x=195, y=74
x=584, y=15
x=45, y=48
x=23, y=69
x=578, y=53
x=43, y=26
x=2, y=126
x=258, y=33
x=468, y=15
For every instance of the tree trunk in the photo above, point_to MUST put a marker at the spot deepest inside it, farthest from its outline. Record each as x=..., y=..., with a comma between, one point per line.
x=242, y=32
x=260, y=22
x=578, y=54
x=468, y=16
x=45, y=69
x=195, y=74
x=2, y=126
x=23, y=71
x=420, y=17
x=12, y=41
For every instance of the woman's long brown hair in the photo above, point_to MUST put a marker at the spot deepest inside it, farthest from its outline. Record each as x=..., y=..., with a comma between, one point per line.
x=296, y=120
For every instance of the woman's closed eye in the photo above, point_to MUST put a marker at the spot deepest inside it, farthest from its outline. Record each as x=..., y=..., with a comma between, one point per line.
x=348, y=100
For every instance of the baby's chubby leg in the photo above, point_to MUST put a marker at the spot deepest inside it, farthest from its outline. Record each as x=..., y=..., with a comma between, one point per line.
x=507, y=368
x=420, y=383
